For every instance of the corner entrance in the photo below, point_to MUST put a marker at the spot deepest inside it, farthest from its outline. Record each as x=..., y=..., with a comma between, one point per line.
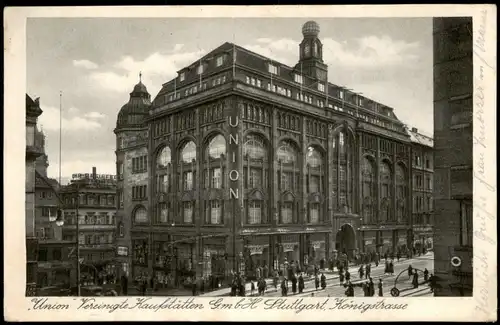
x=345, y=242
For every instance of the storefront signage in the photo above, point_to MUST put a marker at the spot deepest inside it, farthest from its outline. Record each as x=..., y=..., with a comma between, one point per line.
x=289, y=247
x=249, y=230
x=368, y=242
x=97, y=176
x=255, y=249
x=402, y=240
x=282, y=230
x=387, y=241
x=234, y=175
x=317, y=244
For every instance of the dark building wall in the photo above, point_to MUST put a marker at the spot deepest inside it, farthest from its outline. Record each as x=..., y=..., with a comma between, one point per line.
x=453, y=87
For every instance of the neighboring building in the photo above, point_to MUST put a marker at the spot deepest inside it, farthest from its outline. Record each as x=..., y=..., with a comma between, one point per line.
x=93, y=198
x=33, y=150
x=132, y=171
x=54, y=266
x=245, y=162
x=422, y=183
x=453, y=164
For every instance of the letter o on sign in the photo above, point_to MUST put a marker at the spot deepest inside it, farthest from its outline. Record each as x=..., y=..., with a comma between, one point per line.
x=456, y=261
x=232, y=175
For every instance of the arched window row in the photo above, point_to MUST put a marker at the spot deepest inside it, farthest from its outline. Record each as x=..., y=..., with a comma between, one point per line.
x=185, y=121
x=289, y=121
x=255, y=113
x=315, y=170
x=317, y=129
x=212, y=112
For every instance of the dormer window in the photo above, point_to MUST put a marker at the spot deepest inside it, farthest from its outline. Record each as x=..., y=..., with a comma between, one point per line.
x=298, y=78
x=321, y=87
x=341, y=94
x=220, y=60
x=182, y=76
x=200, y=69
x=272, y=68
x=361, y=102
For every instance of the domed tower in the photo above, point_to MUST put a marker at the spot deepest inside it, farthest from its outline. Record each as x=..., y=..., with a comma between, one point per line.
x=131, y=166
x=311, y=52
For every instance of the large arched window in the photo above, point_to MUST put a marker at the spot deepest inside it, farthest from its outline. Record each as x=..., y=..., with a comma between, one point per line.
x=187, y=167
x=213, y=164
x=188, y=152
x=401, y=190
x=288, y=167
x=368, y=177
x=164, y=158
x=255, y=176
x=343, y=171
x=287, y=153
x=213, y=171
x=315, y=184
x=140, y=215
x=386, y=192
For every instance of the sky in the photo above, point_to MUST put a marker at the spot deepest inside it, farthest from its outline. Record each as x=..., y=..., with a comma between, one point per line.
x=95, y=63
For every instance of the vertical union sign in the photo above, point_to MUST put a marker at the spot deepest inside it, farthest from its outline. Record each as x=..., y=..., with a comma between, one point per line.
x=233, y=149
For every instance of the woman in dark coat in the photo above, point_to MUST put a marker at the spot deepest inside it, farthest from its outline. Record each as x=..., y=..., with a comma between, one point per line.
x=301, y=283
x=380, y=288
x=294, y=284
x=410, y=271
x=350, y=290
x=316, y=281
x=347, y=276
x=361, y=272
x=371, y=287
x=426, y=275
x=323, y=281
x=415, y=279
x=366, y=289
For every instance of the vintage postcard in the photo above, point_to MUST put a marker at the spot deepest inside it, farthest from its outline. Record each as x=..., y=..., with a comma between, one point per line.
x=289, y=163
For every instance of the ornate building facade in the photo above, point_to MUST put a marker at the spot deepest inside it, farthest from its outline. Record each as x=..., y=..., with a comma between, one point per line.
x=90, y=200
x=422, y=184
x=250, y=162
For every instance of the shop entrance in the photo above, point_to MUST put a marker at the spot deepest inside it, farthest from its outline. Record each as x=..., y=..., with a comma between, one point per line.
x=346, y=240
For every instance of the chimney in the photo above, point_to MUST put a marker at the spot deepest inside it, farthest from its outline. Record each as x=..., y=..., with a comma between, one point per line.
x=94, y=172
x=415, y=130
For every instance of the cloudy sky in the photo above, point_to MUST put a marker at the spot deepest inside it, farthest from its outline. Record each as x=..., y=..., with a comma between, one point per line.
x=96, y=62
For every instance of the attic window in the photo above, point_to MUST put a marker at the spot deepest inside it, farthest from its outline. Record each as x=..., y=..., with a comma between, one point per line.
x=182, y=76
x=272, y=68
x=321, y=87
x=220, y=60
x=298, y=78
x=200, y=69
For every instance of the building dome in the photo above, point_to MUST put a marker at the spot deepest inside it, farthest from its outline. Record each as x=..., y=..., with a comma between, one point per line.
x=133, y=113
x=311, y=28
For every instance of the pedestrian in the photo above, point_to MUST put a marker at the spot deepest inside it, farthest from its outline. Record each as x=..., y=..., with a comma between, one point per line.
x=347, y=276
x=366, y=289
x=398, y=256
x=426, y=275
x=323, y=281
x=410, y=271
x=391, y=267
x=193, y=287
x=368, y=270
x=341, y=278
x=275, y=280
x=371, y=287
x=380, y=288
x=432, y=282
x=361, y=272
x=350, y=290
x=301, y=283
x=294, y=284
x=376, y=262
x=316, y=281
x=415, y=279
x=252, y=288
x=124, y=284
x=283, y=288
